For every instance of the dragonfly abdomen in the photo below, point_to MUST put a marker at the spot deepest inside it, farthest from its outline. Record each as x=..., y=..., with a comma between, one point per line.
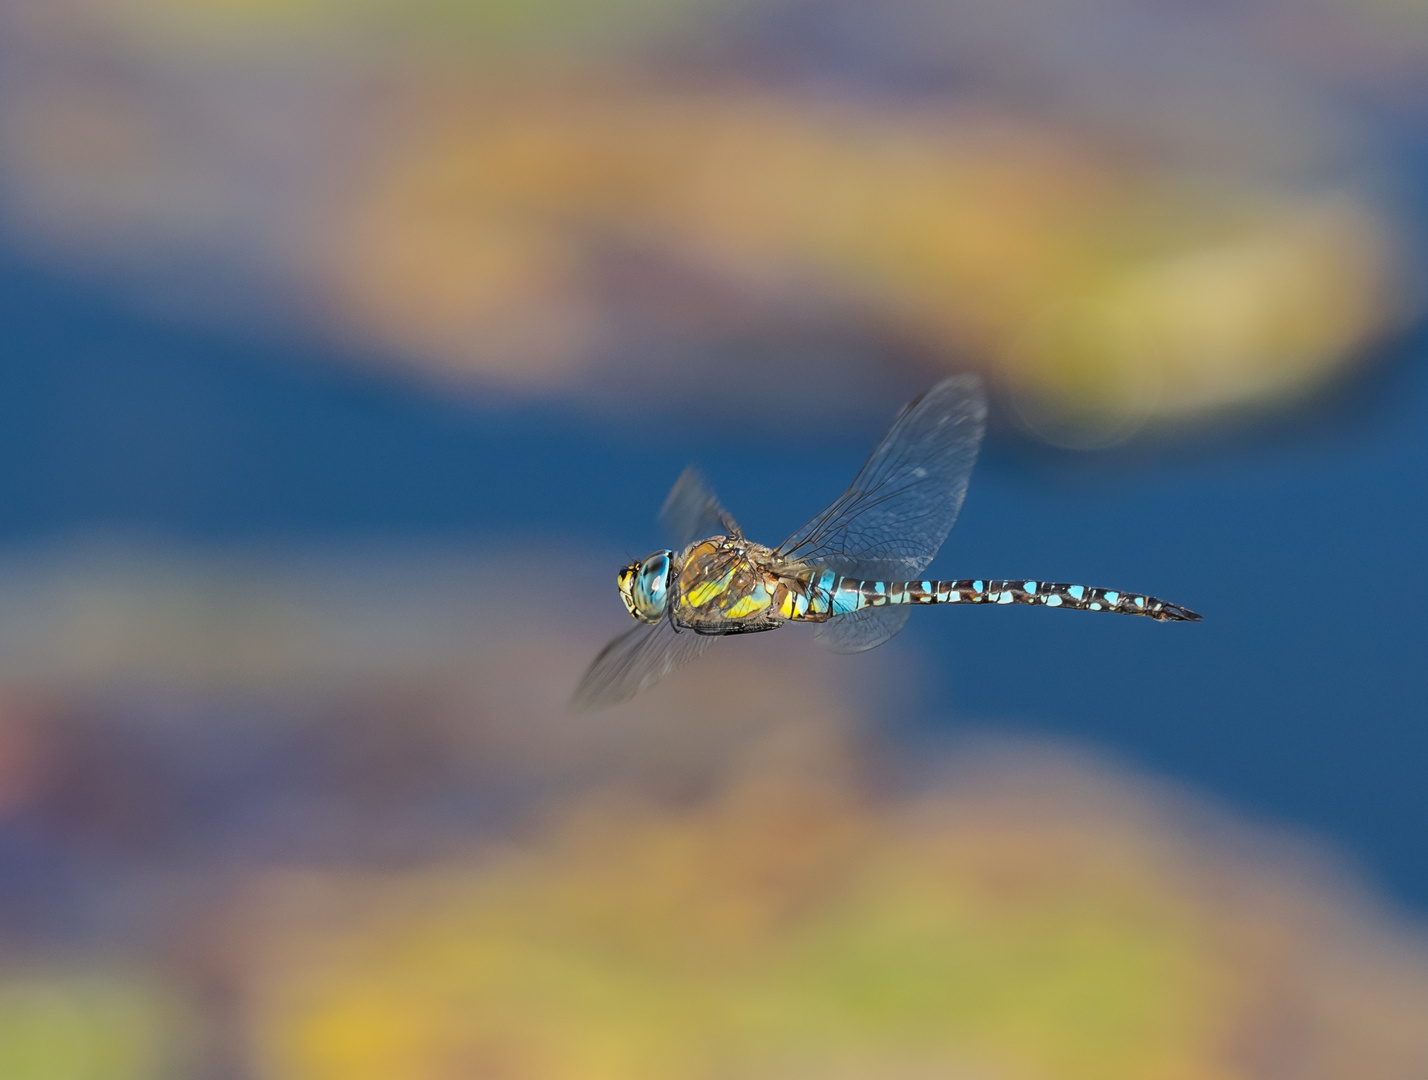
x=847, y=595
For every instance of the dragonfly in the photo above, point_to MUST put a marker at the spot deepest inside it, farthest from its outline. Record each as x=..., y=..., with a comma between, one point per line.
x=854, y=571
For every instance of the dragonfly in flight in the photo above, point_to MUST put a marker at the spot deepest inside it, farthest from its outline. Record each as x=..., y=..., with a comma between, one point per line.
x=854, y=571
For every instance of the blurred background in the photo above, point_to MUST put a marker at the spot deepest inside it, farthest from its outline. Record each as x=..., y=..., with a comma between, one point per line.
x=347, y=348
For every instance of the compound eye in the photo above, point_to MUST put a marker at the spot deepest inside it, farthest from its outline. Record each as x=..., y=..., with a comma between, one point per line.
x=651, y=593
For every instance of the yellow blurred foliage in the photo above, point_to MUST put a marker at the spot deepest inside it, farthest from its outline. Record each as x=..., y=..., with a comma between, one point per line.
x=485, y=192
x=1072, y=278
x=417, y=865
x=1033, y=925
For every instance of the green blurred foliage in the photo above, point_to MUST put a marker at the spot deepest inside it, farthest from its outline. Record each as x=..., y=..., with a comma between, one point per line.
x=89, y=1026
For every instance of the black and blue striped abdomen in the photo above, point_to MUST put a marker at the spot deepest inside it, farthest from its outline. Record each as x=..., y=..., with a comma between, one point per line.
x=830, y=595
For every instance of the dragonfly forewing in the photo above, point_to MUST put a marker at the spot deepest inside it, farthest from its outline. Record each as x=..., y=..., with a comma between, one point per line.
x=895, y=515
x=635, y=661
x=692, y=512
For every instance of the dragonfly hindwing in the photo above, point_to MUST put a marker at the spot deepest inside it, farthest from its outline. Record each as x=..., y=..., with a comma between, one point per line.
x=861, y=630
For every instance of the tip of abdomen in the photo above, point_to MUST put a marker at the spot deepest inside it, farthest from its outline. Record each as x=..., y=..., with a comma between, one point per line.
x=1165, y=612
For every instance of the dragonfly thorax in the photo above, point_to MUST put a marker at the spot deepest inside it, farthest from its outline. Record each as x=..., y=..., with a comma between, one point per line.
x=725, y=584
x=644, y=586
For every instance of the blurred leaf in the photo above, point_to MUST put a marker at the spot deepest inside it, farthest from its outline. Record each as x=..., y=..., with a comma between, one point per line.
x=87, y=1028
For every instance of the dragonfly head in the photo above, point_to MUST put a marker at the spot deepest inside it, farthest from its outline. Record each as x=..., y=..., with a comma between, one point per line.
x=644, y=586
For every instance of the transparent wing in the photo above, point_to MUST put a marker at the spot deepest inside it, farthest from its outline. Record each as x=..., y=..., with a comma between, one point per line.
x=691, y=512
x=635, y=661
x=859, y=631
x=900, y=507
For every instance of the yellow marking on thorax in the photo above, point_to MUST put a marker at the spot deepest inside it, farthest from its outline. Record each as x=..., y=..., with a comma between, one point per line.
x=751, y=603
x=705, y=591
x=742, y=589
x=797, y=598
x=786, y=603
